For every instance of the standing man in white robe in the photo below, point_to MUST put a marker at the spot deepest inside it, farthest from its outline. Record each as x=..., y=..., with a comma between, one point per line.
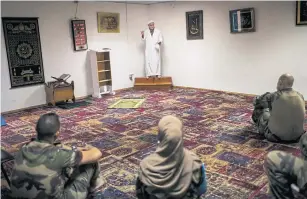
x=153, y=41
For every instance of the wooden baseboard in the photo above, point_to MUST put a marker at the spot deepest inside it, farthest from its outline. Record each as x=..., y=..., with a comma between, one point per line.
x=41, y=105
x=214, y=90
x=153, y=87
x=38, y=106
x=230, y=92
x=123, y=89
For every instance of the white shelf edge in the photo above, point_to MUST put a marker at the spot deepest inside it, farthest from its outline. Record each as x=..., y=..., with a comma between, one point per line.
x=100, y=50
x=106, y=80
x=105, y=92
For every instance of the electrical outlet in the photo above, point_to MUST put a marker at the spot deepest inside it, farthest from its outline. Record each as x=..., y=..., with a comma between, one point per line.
x=131, y=76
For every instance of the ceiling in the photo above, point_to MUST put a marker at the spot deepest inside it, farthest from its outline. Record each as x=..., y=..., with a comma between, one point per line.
x=144, y=2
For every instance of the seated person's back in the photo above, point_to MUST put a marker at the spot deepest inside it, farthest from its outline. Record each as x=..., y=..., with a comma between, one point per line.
x=287, y=115
x=171, y=171
x=39, y=170
x=279, y=116
x=43, y=169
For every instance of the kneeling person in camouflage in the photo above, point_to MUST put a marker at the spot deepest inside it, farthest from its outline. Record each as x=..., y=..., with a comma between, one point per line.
x=279, y=116
x=287, y=174
x=41, y=166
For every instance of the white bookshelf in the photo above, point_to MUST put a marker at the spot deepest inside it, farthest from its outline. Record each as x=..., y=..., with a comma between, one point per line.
x=101, y=72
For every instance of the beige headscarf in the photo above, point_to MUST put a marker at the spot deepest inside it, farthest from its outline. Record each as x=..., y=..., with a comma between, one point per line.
x=170, y=170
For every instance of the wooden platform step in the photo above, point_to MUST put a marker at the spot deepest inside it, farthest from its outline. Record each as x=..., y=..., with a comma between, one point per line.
x=153, y=83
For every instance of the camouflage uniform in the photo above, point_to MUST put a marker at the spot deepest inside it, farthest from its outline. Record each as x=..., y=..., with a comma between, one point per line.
x=42, y=170
x=263, y=112
x=285, y=170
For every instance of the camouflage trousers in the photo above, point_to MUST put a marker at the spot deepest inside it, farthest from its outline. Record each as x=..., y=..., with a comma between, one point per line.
x=261, y=116
x=287, y=174
x=260, y=103
x=82, y=180
x=263, y=125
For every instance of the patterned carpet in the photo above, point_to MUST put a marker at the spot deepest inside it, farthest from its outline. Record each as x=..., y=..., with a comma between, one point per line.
x=216, y=124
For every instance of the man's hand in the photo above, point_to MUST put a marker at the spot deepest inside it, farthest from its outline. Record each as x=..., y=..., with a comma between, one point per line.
x=82, y=149
x=85, y=148
x=142, y=34
x=90, y=155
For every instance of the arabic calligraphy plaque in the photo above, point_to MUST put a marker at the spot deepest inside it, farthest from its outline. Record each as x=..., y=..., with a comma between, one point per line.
x=194, y=25
x=242, y=20
x=301, y=13
x=23, y=48
x=108, y=22
x=79, y=35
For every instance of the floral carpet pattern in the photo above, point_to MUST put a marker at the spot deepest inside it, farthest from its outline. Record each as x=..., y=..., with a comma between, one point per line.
x=217, y=127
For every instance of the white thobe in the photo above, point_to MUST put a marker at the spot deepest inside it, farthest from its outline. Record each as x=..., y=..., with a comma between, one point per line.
x=152, y=52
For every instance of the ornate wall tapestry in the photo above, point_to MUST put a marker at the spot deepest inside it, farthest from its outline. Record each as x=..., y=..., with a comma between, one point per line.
x=79, y=35
x=108, y=22
x=242, y=20
x=194, y=23
x=301, y=13
x=23, y=48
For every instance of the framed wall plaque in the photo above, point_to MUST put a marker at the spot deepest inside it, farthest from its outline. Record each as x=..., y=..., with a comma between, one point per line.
x=108, y=22
x=242, y=20
x=23, y=48
x=301, y=13
x=194, y=25
x=79, y=34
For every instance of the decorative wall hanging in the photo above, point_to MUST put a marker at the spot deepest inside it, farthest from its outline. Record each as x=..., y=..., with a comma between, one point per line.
x=242, y=20
x=79, y=34
x=194, y=25
x=23, y=48
x=301, y=13
x=108, y=22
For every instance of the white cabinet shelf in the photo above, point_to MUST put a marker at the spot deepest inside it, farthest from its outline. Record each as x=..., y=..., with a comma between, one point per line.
x=101, y=72
x=105, y=80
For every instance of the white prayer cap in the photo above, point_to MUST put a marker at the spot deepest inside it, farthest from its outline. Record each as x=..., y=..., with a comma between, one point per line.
x=149, y=22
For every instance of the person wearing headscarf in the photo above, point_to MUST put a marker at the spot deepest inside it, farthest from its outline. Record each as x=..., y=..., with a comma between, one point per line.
x=153, y=40
x=171, y=171
x=287, y=174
